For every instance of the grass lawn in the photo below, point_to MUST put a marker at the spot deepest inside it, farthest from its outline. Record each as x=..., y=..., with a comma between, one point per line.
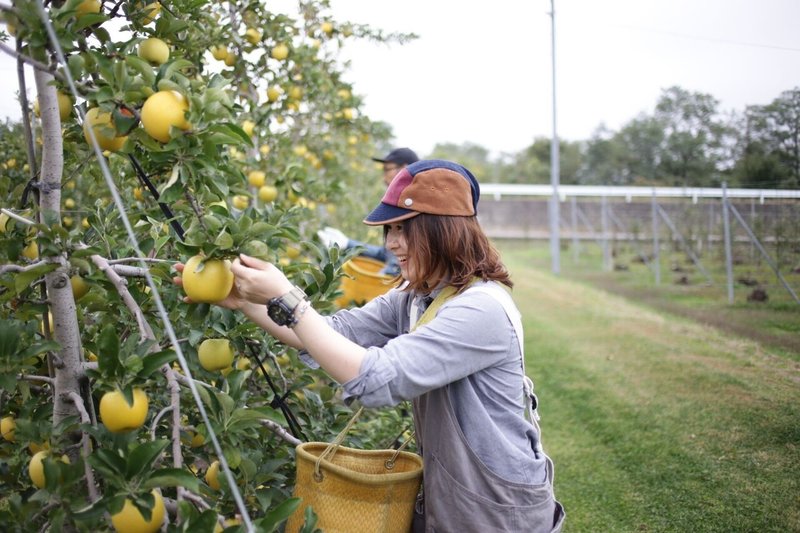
x=658, y=421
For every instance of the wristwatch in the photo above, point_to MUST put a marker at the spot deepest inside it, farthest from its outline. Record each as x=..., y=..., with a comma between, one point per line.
x=281, y=309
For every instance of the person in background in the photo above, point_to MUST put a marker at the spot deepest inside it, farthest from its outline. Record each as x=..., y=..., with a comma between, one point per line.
x=393, y=162
x=450, y=340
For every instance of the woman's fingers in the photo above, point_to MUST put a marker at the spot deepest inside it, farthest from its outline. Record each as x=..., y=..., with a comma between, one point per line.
x=253, y=262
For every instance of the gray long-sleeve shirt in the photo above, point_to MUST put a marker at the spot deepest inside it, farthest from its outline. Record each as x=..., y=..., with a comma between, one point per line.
x=471, y=345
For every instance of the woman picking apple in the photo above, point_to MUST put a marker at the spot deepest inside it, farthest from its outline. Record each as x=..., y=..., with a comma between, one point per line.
x=449, y=339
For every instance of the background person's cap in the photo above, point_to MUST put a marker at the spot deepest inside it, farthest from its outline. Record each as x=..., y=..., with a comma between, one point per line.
x=401, y=156
x=431, y=186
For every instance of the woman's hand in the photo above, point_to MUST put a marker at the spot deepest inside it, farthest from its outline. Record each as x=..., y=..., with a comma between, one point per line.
x=233, y=301
x=258, y=281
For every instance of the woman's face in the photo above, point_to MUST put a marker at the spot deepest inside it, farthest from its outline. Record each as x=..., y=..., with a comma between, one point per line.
x=397, y=244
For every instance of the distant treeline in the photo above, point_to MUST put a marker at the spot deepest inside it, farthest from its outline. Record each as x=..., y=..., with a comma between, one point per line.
x=685, y=141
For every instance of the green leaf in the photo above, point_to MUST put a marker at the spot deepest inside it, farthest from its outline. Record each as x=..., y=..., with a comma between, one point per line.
x=109, y=463
x=8, y=382
x=90, y=19
x=90, y=513
x=279, y=514
x=108, y=351
x=23, y=280
x=40, y=348
x=154, y=361
x=9, y=338
x=224, y=240
x=173, y=68
x=143, y=456
x=142, y=67
x=173, y=477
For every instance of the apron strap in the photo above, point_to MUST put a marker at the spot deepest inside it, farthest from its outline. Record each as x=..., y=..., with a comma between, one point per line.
x=502, y=295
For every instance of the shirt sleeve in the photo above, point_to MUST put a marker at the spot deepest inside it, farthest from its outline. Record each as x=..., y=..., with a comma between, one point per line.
x=471, y=332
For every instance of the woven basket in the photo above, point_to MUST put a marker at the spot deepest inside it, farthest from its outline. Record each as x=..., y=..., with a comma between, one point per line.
x=363, y=281
x=356, y=490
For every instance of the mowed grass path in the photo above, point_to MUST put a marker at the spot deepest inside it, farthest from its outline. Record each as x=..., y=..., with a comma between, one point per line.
x=656, y=423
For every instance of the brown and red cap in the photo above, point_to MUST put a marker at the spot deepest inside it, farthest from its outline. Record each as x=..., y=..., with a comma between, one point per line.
x=431, y=186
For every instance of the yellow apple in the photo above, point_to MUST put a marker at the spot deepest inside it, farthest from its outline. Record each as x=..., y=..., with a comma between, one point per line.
x=248, y=126
x=230, y=59
x=327, y=27
x=118, y=416
x=8, y=426
x=240, y=201
x=31, y=251
x=264, y=149
x=267, y=193
x=295, y=93
x=210, y=284
x=79, y=287
x=154, y=50
x=64, y=106
x=256, y=178
x=215, y=354
x=3, y=221
x=253, y=35
x=88, y=6
x=162, y=111
x=280, y=52
x=212, y=475
x=273, y=93
x=102, y=124
x=149, y=11
x=219, y=52
x=36, y=467
x=130, y=520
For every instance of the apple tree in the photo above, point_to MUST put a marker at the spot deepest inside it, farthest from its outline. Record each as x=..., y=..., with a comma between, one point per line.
x=162, y=132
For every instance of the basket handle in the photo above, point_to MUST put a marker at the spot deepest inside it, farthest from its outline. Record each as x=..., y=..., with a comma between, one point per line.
x=389, y=464
x=333, y=447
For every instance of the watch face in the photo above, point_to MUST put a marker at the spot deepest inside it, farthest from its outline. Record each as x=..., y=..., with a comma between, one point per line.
x=279, y=314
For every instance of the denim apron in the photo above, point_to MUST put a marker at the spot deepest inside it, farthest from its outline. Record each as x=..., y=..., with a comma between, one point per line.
x=460, y=493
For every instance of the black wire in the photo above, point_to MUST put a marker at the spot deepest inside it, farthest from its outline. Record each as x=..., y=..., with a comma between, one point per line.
x=279, y=401
x=140, y=173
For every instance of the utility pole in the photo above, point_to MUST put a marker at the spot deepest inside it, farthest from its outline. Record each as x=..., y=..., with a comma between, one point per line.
x=555, y=238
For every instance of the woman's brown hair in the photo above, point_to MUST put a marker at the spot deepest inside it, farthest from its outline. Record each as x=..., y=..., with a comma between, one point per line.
x=452, y=248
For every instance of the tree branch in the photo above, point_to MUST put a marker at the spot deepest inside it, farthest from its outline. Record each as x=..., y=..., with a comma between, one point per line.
x=281, y=432
x=32, y=62
x=175, y=404
x=129, y=271
x=17, y=217
x=157, y=419
x=34, y=377
x=137, y=259
x=19, y=268
x=119, y=283
x=183, y=380
x=87, y=447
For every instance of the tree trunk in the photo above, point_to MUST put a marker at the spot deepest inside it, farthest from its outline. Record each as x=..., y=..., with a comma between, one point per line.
x=68, y=369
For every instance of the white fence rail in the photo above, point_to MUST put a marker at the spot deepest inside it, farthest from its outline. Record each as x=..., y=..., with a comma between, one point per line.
x=499, y=190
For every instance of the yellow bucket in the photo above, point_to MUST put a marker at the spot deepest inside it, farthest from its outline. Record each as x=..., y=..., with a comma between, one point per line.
x=363, y=281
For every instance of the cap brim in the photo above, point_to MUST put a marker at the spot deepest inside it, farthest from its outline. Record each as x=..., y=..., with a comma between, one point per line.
x=378, y=160
x=388, y=214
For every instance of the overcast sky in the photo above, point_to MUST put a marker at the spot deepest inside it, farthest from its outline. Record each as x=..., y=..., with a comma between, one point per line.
x=481, y=71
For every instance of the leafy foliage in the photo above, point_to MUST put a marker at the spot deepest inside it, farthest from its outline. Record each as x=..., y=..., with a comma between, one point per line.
x=61, y=349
